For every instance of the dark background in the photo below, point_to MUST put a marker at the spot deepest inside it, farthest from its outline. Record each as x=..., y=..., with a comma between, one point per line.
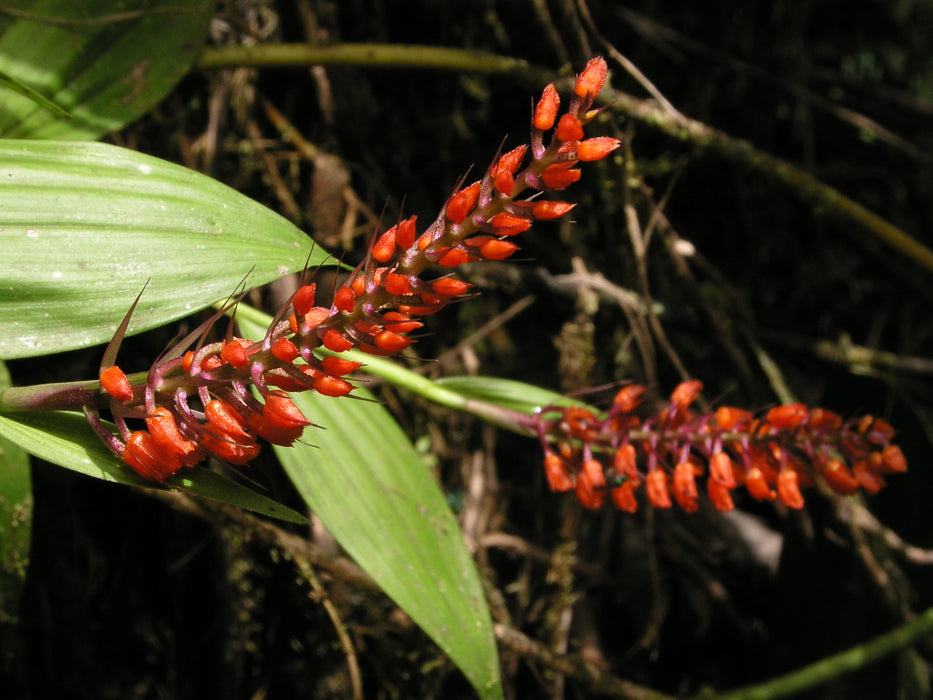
x=127, y=598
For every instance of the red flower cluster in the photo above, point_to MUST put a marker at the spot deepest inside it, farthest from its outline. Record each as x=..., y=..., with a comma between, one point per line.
x=200, y=402
x=772, y=456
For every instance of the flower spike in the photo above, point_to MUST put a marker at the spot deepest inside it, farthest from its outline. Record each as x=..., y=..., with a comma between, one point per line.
x=376, y=311
x=773, y=457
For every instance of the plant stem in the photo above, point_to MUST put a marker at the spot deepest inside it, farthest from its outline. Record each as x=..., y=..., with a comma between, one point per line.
x=61, y=396
x=831, y=667
x=371, y=55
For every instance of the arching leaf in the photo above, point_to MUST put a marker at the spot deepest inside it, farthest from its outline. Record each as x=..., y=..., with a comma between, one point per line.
x=83, y=226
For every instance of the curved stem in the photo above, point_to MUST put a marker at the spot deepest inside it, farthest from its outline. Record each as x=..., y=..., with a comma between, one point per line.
x=826, y=200
x=831, y=667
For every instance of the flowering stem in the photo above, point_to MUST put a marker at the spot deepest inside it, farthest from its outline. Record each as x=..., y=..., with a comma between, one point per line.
x=60, y=396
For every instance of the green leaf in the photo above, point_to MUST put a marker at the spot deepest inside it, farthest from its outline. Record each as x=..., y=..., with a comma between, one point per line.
x=367, y=484
x=15, y=521
x=66, y=439
x=23, y=89
x=506, y=393
x=88, y=224
x=106, y=62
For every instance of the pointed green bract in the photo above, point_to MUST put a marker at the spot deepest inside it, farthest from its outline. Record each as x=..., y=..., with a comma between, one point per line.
x=364, y=480
x=84, y=226
x=67, y=440
x=104, y=62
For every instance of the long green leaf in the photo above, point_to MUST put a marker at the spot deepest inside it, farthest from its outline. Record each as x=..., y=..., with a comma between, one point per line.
x=105, y=62
x=23, y=89
x=83, y=226
x=67, y=440
x=365, y=481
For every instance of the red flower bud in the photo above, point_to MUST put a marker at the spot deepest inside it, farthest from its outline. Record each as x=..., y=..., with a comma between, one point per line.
x=147, y=459
x=629, y=397
x=657, y=489
x=720, y=470
x=790, y=415
x=569, y=128
x=591, y=483
x=235, y=451
x=511, y=161
x=788, y=489
x=304, y=299
x=495, y=249
x=827, y=420
x=274, y=434
x=757, y=485
x=332, y=386
x=729, y=418
x=384, y=248
x=281, y=411
x=345, y=299
x=839, y=478
x=115, y=383
x=453, y=258
x=623, y=462
x=590, y=82
x=339, y=366
x=405, y=234
x=285, y=350
x=450, y=287
x=871, y=481
x=558, y=179
x=234, y=353
x=558, y=476
x=400, y=323
x=164, y=430
x=396, y=284
x=504, y=182
x=335, y=341
x=623, y=497
x=893, y=459
x=226, y=419
x=685, y=487
x=545, y=209
x=391, y=342
x=686, y=393
x=596, y=148
x=506, y=224
x=462, y=203
x=546, y=109
x=719, y=495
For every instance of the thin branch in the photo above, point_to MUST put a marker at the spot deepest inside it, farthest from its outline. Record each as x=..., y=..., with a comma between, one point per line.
x=831, y=667
x=825, y=200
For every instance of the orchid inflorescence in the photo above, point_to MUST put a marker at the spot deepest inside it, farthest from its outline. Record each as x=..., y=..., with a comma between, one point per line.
x=612, y=454
x=216, y=399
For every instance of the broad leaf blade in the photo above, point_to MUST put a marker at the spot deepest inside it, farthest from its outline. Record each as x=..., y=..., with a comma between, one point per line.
x=67, y=440
x=365, y=481
x=83, y=226
x=106, y=62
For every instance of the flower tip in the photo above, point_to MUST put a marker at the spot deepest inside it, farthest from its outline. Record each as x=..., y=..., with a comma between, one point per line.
x=114, y=382
x=591, y=81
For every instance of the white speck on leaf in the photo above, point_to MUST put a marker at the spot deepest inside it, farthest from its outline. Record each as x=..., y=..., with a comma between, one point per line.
x=30, y=233
x=144, y=169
